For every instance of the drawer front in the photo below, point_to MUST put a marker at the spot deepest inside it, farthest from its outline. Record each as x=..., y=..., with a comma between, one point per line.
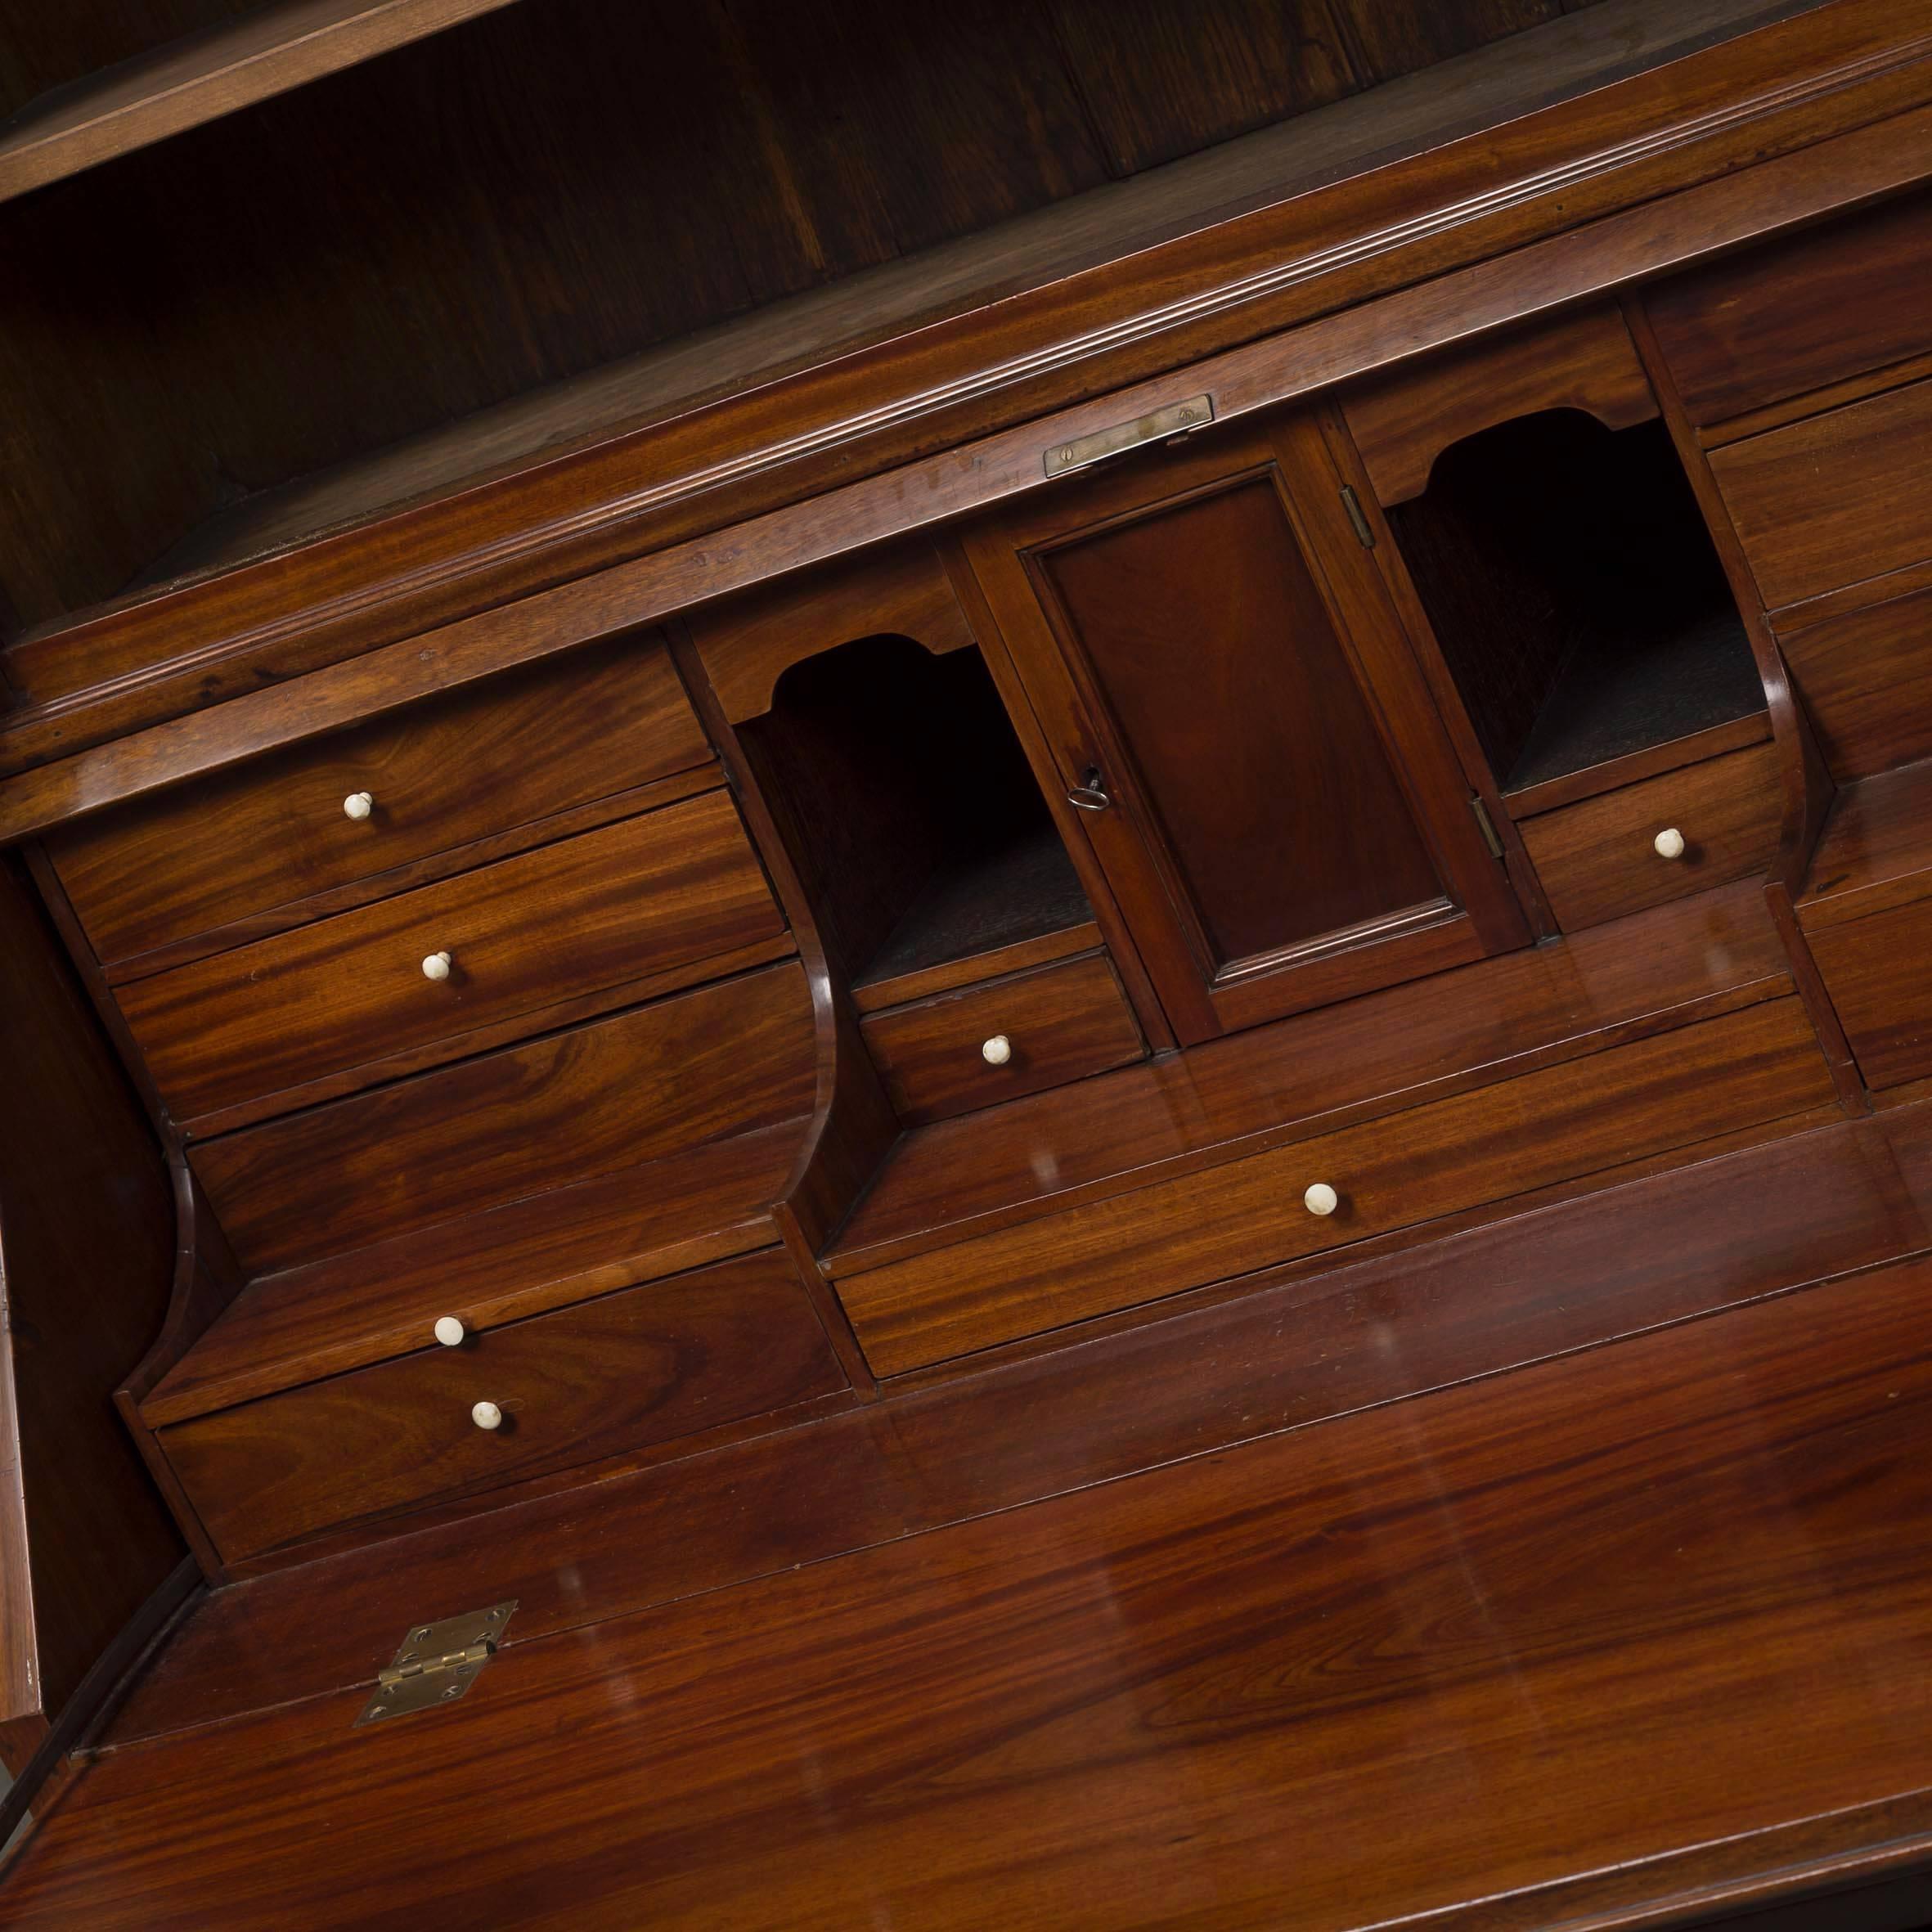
x=1600, y=859
x=1865, y=678
x=723, y=1060
x=1010, y=1036
x=1799, y=317
x=513, y=751
x=596, y=911
x=1567, y=1122
x=644, y=1366
x=1833, y=500
x=1878, y=971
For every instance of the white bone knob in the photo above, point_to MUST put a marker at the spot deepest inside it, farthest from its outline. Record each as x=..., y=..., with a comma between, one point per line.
x=1321, y=1199
x=437, y=966
x=997, y=1051
x=449, y=1331
x=486, y=1415
x=358, y=804
x=1668, y=843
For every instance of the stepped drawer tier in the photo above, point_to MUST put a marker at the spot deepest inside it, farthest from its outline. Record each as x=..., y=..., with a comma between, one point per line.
x=603, y=910
x=1539, y=1130
x=1007, y=1037
x=644, y=1366
x=339, y=813
x=1644, y=844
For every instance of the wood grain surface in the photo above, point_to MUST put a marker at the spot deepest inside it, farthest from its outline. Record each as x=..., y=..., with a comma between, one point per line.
x=217, y=72
x=1762, y=99
x=1600, y=1634
x=528, y=932
x=1402, y=424
x=725, y=1059
x=1597, y=860
x=87, y=1250
x=1798, y=316
x=515, y=1259
x=1350, y=1063
x=484, y=761
x=1834, y=500
x=1061, y=1022
x=1865, y=678
x=669, y=1359
x=1295, y=1350
x=1667, y=1092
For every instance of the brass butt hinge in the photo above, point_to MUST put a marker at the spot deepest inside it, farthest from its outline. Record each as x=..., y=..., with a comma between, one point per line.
x=1358, y=516
x=437, y=1663
x=1489, y=830
x=1163, y=425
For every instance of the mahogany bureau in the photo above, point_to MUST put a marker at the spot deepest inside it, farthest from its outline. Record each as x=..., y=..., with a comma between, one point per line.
x=1322, y=700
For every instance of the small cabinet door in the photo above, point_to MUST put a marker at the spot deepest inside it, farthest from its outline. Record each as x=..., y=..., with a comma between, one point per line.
x=1226, y=692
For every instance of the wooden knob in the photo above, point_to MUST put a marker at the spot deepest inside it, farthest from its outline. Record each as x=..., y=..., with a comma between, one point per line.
x=1321, y=1199
x=358, y=804
x=1668, y=843
x=449, y=1331
x=486, y=1415
x=997, y=1051
x=437, y=966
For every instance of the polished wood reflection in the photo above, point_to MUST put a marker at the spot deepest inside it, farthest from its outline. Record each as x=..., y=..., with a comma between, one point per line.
x=1604, y=1615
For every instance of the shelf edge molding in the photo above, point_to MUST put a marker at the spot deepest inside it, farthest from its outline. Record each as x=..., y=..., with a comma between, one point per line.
x=205, y=76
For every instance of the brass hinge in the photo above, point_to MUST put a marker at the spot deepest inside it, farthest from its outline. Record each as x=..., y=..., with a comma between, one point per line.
x=1488, y=829
x=437, y=1663
x=1358, y=516
x=1165, y=426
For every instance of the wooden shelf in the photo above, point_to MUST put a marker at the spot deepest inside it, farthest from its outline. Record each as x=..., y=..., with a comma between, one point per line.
x=1628, y=706
x=203, y=78
x=610, y=1231
x=565, y=446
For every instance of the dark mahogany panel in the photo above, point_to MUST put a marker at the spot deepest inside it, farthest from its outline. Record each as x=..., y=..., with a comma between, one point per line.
x=1206, y=632
x=1221, y=677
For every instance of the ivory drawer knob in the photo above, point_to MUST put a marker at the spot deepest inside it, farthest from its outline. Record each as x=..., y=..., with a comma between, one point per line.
x=1668, y=843
x=449, y=1331
x=997, y=1051
x=437, y=966
x=486, y=1415
x=1321, y=1199
x=358, y=804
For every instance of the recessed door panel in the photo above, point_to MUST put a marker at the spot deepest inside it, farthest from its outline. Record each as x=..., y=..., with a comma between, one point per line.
x=1231, y=693
x=1230, y=700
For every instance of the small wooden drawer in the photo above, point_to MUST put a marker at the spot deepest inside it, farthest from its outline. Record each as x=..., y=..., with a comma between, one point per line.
x=1798, y=316
x=436, y=777
x=1009, y=1036
x=1543, y=1128
x=603, y=910
x=645, y=1365
x=1602, y=859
